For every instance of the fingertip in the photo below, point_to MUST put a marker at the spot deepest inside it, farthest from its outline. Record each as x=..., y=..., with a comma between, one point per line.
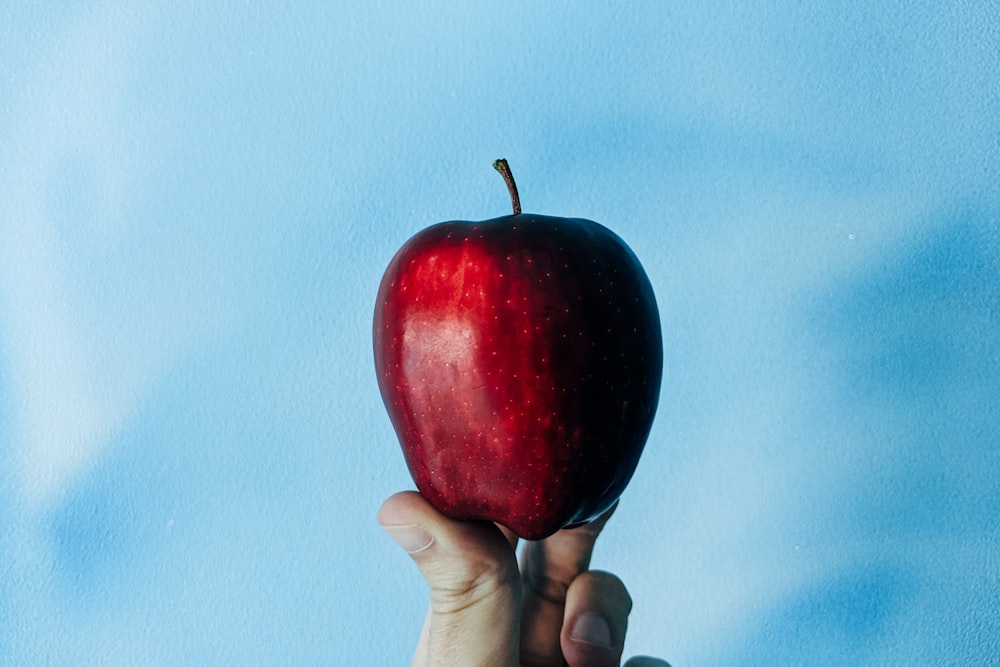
x=595, y=619
x=602, y=518
x=402, y=508
x=592, y=629
x=407, y=509
x=646, y=661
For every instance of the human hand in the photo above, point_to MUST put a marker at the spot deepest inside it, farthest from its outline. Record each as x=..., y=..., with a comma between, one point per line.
x=485, y=610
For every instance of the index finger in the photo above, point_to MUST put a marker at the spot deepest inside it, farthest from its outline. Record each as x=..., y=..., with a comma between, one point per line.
x=548, y=567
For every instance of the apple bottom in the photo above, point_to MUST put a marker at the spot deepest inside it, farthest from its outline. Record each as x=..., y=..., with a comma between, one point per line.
x=534, y=489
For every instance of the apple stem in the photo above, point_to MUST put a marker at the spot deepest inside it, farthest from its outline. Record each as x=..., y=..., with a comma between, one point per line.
x=508, y=178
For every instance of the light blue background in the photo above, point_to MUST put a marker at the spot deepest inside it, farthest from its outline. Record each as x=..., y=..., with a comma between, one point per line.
x=197, y=201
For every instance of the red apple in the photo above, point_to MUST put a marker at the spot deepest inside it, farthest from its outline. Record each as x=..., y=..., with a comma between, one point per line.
x=519, y=359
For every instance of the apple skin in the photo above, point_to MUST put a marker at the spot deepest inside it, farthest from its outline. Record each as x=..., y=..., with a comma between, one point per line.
x=519, y=360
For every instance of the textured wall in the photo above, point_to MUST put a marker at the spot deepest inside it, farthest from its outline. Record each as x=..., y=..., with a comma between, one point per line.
x=197, y=202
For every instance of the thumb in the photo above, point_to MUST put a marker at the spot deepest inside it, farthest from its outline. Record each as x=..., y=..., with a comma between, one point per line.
x=475, y=587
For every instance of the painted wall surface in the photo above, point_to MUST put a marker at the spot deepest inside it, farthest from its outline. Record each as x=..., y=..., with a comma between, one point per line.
x=197, y=201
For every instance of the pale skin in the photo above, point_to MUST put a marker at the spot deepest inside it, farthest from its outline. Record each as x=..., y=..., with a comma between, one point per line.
x=486, y=609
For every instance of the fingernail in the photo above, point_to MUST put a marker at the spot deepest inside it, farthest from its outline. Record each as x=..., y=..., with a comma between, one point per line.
x=591, y=628
x=412, y=538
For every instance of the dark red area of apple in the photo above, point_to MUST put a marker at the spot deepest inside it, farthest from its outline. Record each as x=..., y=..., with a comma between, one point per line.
x=519, y=359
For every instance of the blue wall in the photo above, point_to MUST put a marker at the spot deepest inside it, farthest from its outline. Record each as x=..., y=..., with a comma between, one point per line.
x=196, y=205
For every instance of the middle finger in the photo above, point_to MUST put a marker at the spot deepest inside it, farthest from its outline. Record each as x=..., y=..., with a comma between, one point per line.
x=548, y=567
